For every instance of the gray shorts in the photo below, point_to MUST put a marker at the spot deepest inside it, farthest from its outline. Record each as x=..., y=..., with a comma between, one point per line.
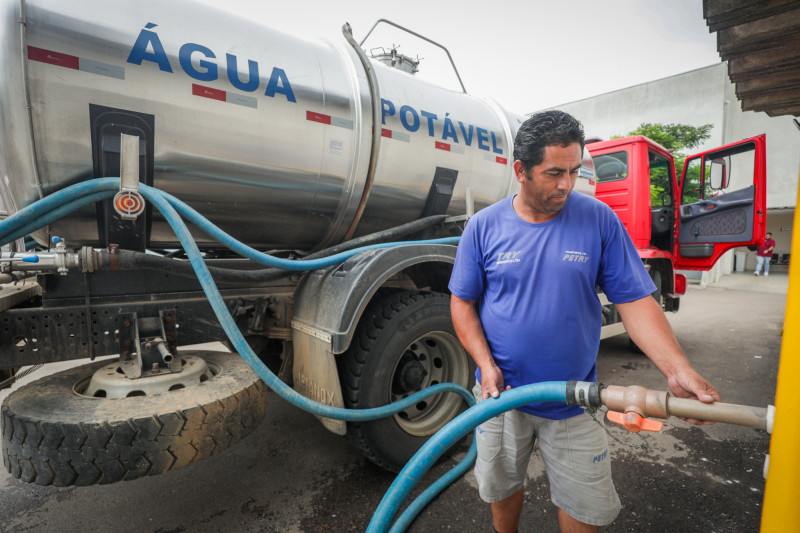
x=575, y=455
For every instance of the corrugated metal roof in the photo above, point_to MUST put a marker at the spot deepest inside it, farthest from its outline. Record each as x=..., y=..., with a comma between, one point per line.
x=760, y=41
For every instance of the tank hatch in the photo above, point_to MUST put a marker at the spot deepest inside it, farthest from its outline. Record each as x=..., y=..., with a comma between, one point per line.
x=395, y=59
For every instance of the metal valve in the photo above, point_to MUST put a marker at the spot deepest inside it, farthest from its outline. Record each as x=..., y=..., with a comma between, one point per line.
x=630, y=407
x=60, y=257
x=634, y=422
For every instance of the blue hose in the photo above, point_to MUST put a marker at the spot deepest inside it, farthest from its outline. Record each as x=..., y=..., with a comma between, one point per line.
x=432, y=450
x=73, y=197
x=55, y=214
x=275, y=262
x=38, y=210
x=282, y=389
x=66, y=200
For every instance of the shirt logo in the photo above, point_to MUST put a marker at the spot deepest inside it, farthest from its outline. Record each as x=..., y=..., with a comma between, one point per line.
x=508, y=257
x=576, y=257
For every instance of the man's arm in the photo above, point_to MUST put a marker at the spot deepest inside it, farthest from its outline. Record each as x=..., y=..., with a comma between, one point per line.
x=469, y=330
x=648, y=327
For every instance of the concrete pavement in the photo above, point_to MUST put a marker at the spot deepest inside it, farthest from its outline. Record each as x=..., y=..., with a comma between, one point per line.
x=293, y=476
x=776, y=282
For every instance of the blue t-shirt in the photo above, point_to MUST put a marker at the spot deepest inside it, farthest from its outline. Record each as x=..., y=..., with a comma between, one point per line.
x=536, y=289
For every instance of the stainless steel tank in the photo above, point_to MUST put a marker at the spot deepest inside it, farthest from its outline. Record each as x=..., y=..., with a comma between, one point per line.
x=266, y=134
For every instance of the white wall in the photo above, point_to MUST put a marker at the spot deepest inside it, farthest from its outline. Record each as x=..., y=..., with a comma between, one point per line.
x=693, y=98
x=698, y=97
x=702, y=96
x=783, y=148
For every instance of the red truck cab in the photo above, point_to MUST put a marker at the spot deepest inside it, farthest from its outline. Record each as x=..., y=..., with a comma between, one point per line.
x=719, y=203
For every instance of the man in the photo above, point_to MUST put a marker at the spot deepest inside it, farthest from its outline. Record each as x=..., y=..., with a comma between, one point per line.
x=525, y=307
x=764, y=254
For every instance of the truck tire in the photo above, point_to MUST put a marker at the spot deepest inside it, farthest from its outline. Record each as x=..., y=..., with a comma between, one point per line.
x=53, y=435
x=405, y=342
x=5, y=376
x=655, y=275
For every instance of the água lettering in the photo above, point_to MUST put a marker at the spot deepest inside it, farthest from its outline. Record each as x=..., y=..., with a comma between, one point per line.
x=148, y=47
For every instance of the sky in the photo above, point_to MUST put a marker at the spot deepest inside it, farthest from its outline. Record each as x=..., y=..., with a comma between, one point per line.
x=525, y=54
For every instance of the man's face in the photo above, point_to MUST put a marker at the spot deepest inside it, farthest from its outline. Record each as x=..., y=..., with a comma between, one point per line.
x=545, y=188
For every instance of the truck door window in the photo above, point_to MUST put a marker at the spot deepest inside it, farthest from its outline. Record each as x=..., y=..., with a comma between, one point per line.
x=660, y=180
x=723, y=172
x=692, y=182
x=661, y=210
x=611, y=167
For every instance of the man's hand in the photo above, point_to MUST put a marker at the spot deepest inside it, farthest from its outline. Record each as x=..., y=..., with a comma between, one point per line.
x=491, y=381
x=687, y=383
x=470, y=332
x=648, y=327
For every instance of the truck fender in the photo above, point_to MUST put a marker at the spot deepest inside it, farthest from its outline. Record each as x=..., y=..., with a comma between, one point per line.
x=663, y=262
x=328, y=304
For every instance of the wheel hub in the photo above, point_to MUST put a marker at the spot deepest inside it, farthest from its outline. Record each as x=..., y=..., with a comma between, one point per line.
x=110, y=381
x=435, y=357
x=412, y=376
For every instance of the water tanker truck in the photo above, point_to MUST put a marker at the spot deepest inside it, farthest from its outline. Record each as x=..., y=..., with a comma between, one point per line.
x=297, y=150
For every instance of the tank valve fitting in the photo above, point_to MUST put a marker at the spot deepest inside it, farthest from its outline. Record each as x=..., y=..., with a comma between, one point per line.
x=60, y=255
x=59, y=259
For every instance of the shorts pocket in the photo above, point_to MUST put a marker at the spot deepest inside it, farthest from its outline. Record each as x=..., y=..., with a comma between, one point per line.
x=488, y=435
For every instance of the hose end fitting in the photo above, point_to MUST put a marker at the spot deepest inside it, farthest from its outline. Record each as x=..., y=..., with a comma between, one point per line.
x=584, y=393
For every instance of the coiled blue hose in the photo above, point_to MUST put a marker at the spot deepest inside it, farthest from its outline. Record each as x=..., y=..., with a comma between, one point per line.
x=423, y=460
x=56, y=214
x=66, y=200
x=69, y=198
x=62, y=202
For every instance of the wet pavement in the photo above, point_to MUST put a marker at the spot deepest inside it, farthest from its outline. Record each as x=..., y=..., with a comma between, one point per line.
x=293, y=476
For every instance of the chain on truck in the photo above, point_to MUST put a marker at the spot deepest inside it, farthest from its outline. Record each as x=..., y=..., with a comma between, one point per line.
x=300, y=149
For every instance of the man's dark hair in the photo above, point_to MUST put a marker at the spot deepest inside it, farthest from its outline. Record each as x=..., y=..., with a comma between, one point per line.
x=769, y=233
x=547, y=128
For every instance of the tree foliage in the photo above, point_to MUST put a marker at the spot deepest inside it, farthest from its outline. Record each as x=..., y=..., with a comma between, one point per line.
x=676, y=138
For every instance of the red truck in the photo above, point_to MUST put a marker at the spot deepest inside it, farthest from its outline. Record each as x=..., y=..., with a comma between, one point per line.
x=719, y=203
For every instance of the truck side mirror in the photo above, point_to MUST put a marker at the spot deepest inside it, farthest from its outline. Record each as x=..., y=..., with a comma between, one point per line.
x=719, y=178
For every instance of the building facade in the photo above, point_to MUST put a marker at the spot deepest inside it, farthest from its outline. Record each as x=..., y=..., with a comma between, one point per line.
x=706, y=96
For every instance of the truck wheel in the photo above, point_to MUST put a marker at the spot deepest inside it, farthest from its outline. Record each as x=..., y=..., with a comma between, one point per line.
x=405, y=342
x=5, y=377
x=54, y=435
x=655, y=275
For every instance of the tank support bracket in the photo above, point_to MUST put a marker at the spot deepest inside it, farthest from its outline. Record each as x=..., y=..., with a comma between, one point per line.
x=148, y=345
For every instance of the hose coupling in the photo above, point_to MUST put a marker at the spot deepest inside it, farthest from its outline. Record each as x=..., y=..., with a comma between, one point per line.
x=585, y=393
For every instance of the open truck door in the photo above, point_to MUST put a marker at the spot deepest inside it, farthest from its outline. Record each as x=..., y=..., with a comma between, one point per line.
x=723, y=203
